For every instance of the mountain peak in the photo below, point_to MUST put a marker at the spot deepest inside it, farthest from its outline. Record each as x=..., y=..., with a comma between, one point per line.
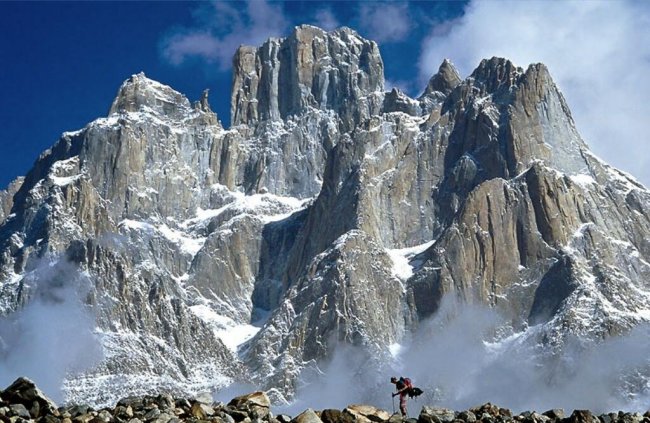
x=445, y=80
x=495, y=73
x=311, y=68
x=140, y=93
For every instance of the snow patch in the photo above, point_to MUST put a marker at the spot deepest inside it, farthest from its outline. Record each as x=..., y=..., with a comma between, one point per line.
x=582, y=179
x=231, y=333
x=186, y=243
x=401, y=257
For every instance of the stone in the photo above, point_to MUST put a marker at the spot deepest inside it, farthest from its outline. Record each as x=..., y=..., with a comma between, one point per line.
x=197, y=411
x=24, y=391
x=256, y=403
x=368, y=411
x=163, y=418
x=227, y=418
x=467, y=416
x=20, y=411
x=555, y=414
x=307, y=416
x=152, y=414
x=105, y=416
x=204, y=398
x=166, y=402
x=582, y=416
x=444, y=415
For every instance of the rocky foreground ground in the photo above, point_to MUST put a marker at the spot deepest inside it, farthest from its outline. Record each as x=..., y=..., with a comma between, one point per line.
x=24, y=402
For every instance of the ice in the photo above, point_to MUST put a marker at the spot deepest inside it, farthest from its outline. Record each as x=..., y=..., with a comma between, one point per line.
x=402, y=269
x=583, y=180
x=231, y=333
x=185, y=242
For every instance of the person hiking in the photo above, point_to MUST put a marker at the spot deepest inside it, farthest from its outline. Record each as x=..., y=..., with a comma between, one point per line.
x=403, y=386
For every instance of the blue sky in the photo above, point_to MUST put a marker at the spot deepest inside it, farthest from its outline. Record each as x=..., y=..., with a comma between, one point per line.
x=62, y=62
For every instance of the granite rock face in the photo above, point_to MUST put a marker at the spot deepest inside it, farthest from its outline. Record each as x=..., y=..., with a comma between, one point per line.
x=330, y=212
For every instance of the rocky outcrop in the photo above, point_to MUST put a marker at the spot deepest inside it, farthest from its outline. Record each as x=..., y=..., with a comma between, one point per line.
x=337, y=71
x=7, y=198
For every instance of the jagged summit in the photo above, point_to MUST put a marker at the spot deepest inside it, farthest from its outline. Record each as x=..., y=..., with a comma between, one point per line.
x=335, y=70
x=139, y=93
x=445, y=80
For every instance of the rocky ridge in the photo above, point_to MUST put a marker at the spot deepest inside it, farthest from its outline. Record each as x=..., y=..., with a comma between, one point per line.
x=330, y=212
x=22, y=402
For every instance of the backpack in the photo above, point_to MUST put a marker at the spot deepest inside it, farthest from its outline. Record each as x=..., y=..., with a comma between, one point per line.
x=411, y=391
x=414, y=392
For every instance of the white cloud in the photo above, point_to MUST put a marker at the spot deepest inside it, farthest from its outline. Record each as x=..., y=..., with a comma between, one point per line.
x=324, y=18
x=598, y=52
x=385, y=22
x=221, y=27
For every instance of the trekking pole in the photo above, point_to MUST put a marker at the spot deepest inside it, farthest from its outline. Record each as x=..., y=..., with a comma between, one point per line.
x=393, y=397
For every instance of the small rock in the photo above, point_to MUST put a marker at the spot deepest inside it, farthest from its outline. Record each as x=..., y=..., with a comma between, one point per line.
x=425, y=418
x=582, y=416
x=204, y=398
x=79, y=410
x=124, y=412
x=165, y=402
x=226, y=417
x=555, y=414
x=467, y=416
x=134, y=402
x=197, y=411
x=151, y=414
x=35, y=410
x=24, y=391
x=258, y=398
x=83, y=418
x=444, y=415
x=105, y=416
x=20, y=411
x=135, y=420
x=307, y=416
x=371, y=413
x=328, y=416
x=605, y=418
x=505, y=412
x=163, y=418
x=283, y=418
x=237, y=416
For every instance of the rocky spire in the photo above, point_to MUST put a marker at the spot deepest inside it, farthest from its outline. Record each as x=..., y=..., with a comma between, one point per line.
x=445, y=80
x=335, y=70
x=139, y=92
x=495, y=73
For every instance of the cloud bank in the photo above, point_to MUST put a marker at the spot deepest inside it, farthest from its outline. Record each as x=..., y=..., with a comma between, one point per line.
x=53, y=335
x=598, y=52
x=467, y=355
x=220, y=28
x=385, y=22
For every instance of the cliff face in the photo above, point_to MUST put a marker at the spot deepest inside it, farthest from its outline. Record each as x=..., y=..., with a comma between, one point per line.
x=330, y=212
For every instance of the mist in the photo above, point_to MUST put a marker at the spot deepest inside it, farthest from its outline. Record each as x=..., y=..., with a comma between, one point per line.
x=52, y=336
x=467, y=355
